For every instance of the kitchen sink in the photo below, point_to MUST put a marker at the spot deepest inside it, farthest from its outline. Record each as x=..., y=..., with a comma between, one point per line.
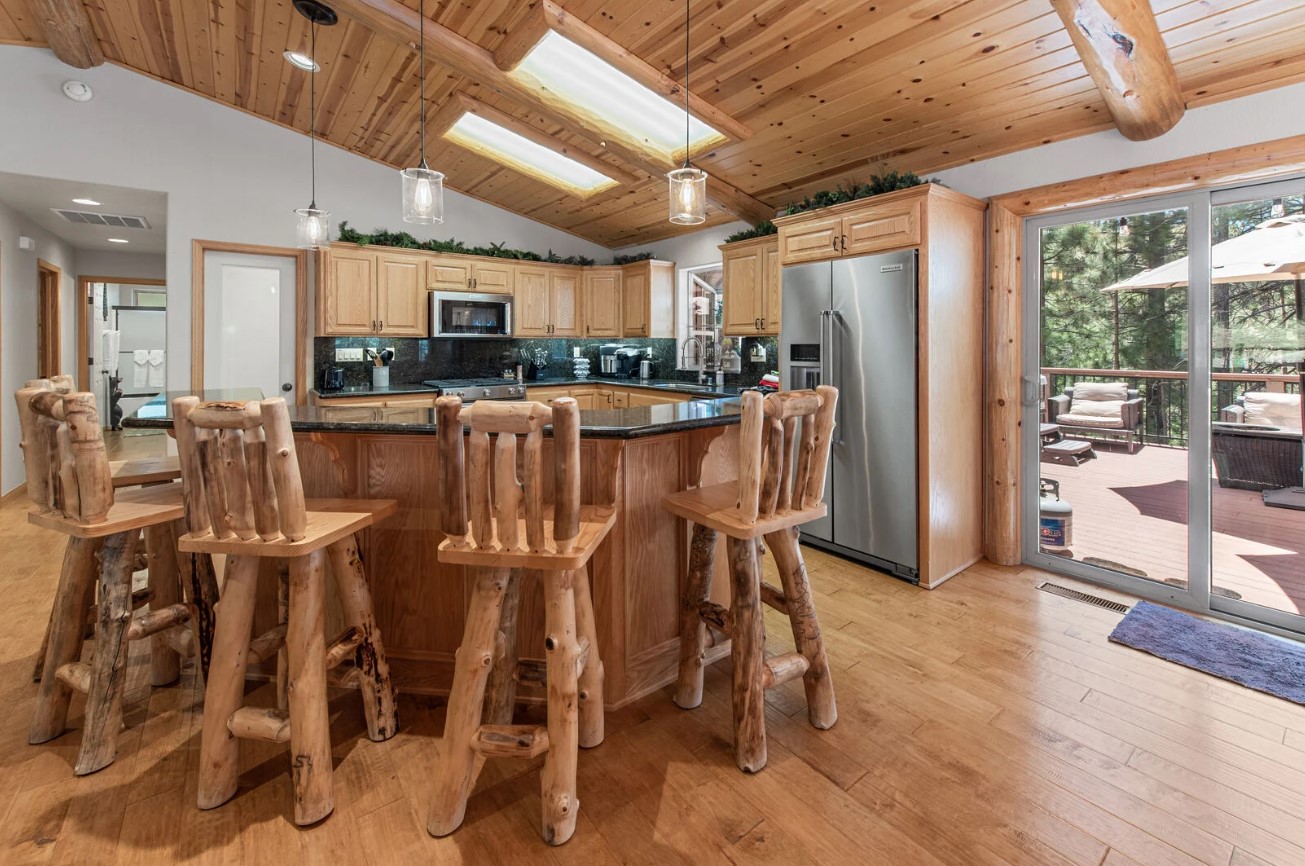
x=684, y=386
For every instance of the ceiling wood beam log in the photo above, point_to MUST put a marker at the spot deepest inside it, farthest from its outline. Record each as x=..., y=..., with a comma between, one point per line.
x=68, y=32
x=1120, y=44
x=392, y=19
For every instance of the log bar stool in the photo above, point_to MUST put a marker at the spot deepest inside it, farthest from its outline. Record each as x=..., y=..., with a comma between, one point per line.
x=559, y=542
x=244, y=498
x=70, y=484
x=774, y=495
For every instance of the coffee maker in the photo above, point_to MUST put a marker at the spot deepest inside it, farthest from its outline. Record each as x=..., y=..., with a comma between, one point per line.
x=609, y=360
x=627, y=362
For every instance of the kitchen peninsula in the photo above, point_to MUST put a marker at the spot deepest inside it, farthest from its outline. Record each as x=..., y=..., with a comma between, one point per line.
x=631, y=456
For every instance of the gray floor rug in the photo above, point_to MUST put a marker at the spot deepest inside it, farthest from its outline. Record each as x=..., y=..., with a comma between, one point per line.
x=1256, y=660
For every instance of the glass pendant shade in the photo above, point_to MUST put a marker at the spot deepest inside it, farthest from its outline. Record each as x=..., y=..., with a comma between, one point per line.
x=423, y=196
x=314, y=227
x=688, y=187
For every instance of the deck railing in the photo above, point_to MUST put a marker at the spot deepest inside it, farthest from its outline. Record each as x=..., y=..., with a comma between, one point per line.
x=1165, y=412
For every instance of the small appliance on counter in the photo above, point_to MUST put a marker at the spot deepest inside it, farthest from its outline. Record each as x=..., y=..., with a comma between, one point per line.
x=330, y=378
x=627, y=362
x=609, y=360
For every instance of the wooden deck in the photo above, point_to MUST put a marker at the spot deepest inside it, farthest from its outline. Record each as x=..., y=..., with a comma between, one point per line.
x=1131, y=509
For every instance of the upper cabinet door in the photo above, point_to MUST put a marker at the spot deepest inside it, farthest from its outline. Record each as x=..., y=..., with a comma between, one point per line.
x=448, y=275
x=492, y=277
x=346, y=305
x=811, y=240
x=742, y=286
x=564, y=302
x=634, y=302
x=602, y=302
x=890, y=226
x=771, y=302
x=530, y=313
x=401, y=307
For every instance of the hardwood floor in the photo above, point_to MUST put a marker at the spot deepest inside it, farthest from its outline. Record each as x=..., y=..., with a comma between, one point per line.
x=982, y=723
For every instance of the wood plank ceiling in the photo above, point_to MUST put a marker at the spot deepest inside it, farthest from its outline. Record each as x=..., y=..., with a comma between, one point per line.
x=832, y=89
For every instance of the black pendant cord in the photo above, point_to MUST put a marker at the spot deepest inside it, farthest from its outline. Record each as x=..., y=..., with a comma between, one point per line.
x=686, y=84
x=312, y=113
x=421, y=50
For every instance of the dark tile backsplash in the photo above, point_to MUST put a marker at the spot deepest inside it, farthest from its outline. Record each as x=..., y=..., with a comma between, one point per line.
x=455, y=358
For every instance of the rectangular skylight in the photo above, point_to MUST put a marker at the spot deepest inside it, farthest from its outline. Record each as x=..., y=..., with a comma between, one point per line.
x=520, y=153
x=583, y=79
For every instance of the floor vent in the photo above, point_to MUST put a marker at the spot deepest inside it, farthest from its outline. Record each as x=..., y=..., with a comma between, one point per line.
x=113, y=220
x=1066, y=592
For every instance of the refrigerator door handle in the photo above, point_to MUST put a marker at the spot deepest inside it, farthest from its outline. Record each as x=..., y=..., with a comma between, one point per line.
x=824, y=346
x=835, y=363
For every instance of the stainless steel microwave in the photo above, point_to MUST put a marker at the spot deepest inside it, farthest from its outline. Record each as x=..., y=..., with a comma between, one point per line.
x=470, y=314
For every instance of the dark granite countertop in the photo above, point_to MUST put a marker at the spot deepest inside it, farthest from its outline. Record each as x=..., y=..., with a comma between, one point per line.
x=631, y=423
x=673, y=386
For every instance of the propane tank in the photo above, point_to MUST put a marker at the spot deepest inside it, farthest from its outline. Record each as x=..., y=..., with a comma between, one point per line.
x=1055, y=519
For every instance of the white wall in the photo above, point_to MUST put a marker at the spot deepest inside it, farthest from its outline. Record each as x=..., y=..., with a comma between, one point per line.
x=228, y=175
x=692, y=249
x=141, y=266
x=18, y=302
x=1249, y=120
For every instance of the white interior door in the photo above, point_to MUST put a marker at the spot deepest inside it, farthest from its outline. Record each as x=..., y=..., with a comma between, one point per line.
x=249, y=322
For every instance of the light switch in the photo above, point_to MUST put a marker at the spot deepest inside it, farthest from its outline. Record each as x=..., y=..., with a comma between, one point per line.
x=348, y=355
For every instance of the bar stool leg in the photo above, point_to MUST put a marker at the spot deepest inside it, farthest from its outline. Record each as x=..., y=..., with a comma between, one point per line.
x=591, y=678
x=67, y=628
x=201, y=581
x=310, y=726
x=282, y=618
x=104, y=700
x=39, y=665
x=356, y=600
x=219, y=750
x=822, y=710
x=501, y=687
x=459, y=762
x=562, y=655
x=748, y=655
x=165, y=586
x=693, y=631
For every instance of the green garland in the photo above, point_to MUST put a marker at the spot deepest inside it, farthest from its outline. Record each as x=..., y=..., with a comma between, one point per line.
x=851, y=191
x=760, y=230
x=633, y=257
x=403, y=240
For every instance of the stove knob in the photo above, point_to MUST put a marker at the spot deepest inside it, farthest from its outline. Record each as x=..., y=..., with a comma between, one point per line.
x=512, y=390
x=485, y=393
x=462, y=393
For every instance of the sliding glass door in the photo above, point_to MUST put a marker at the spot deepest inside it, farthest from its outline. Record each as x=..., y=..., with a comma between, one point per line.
x=1162, y=412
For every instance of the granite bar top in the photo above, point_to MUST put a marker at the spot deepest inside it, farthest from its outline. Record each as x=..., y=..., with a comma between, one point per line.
x=672, y=386
x=630, y=423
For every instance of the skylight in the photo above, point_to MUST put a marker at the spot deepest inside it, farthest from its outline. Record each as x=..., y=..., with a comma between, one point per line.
x=520, y=153
x=602, y=91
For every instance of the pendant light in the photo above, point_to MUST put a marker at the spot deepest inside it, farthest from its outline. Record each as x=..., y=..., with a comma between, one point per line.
x=314, y=228
x=688, y=183
x=423, y=188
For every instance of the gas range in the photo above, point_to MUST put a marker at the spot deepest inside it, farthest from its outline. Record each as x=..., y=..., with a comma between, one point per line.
x=471, y=390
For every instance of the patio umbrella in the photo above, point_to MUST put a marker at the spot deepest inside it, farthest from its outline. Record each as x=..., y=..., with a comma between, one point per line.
x=1273, y=250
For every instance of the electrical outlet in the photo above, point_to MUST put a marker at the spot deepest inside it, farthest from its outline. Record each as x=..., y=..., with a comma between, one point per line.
x=348, y=355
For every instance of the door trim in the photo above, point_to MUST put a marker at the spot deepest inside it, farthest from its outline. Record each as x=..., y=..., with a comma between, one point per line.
x=83, y=319
x=197, y=250
x=49, y=340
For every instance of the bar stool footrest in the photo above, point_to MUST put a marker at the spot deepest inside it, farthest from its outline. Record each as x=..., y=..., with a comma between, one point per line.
x=260, y=723
x=512, y=741
x=154, y=621
x=76, y=675
x=784, y=667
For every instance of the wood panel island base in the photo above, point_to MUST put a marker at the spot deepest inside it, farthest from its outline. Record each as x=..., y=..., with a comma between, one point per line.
x=630, y=459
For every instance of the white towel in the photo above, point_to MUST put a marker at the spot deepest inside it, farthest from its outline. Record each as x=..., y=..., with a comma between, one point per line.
x=140, y=368
x=111, y=341
x=156, y=376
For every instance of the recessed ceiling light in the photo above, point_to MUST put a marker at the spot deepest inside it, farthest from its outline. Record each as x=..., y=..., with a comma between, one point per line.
x=77, y=91
x=88, y=201
x=520, y=153
x=303, y=61
x=116, y=240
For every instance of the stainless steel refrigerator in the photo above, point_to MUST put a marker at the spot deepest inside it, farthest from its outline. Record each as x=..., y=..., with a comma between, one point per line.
x=852, y=323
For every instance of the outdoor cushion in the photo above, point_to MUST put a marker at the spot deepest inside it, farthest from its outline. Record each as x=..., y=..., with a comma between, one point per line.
x=1078, y=418
x=1278, y=410
x=1094, y=392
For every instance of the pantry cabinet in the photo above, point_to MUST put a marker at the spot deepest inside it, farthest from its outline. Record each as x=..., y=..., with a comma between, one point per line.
x=366, y=293
x=648, y=299
x=602, y=302
x=751, y=281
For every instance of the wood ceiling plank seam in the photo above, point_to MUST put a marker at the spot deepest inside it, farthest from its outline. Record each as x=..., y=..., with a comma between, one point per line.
x=376, y=125
x=269, y=62
x=18, y=26
x=341, y=58
x=223, y=40
x=1271, y=45
x=159, y=45
x=195, y=26
x=1201, y=38
x=249, y=40
x=367, y=81
x=1274, y=75
x=174, y=36
x=119, y=31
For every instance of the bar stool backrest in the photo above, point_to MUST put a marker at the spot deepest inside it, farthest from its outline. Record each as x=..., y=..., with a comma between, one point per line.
x=239, y=470
x=492, y=500
x=772, y=478
x=64, y=457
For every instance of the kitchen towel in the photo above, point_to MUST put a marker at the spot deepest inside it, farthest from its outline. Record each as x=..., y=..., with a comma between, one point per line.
x=110, y=342
x=156, y=376
x=140, y=368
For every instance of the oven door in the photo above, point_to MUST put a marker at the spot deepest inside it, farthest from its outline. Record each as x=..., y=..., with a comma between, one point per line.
x=467, y=314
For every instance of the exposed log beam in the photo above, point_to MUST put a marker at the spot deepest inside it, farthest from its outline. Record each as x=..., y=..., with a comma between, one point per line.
x=68, y=32
x=392, y=19
x=1120, y=44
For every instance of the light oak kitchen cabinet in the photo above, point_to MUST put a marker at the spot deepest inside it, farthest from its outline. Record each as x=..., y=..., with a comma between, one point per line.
x=448, y=274
x=369, y=293
x=602, y=302
x=751, y=281
x=648, y=299
x=546, y=302
x=470, y=274
x=856, y=228
x=494, y=276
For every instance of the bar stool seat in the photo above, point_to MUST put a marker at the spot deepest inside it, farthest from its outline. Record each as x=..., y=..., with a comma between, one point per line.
x=595, y=522
x=717, y=507
x=329, y=521
x=132, y=509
